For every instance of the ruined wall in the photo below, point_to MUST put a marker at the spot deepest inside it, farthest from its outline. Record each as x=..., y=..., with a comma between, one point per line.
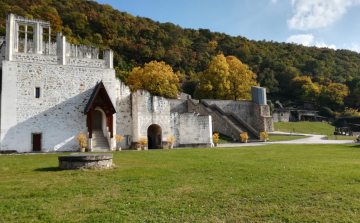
x=179, y=106
x=286, y=116
x=57, y=114
x=175, y=127
x=258, y=116
x=244, y=109
x=176, y=108
x=219, y=123
x=195, y=130
x=148, y=110
x=281, y=116
x=124, y=115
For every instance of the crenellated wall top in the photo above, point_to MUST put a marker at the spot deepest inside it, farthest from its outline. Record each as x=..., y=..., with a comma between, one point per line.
x=31, y=40
x=26, y=20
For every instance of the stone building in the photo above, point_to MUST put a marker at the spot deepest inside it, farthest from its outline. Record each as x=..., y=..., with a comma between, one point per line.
x=52, y=91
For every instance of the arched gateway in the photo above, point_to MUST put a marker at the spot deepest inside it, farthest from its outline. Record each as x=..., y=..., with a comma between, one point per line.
x=154, y=137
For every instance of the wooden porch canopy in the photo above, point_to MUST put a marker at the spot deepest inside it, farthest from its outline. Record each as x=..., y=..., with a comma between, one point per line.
x=100, y=98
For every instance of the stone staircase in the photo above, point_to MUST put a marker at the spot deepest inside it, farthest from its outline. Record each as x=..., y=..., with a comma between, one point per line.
x=99, y=142
x=227, y=123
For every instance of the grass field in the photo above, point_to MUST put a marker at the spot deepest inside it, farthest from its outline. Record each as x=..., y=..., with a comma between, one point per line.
x=280, y=137
x=273, y=183
x=225, y=139
x=339, y=137
x=320, y=128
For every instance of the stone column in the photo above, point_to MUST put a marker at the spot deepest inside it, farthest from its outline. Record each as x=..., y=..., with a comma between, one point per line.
x=258, y=95
x=61, y=48
x=10, y=36
x=109, y=58
x=37, y=39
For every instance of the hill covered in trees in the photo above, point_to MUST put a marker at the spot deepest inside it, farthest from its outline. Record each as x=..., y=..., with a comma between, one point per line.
x=138, y=40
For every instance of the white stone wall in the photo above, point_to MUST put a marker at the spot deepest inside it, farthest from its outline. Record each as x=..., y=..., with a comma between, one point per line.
x=195, y=129
x=175, y=128
x=57, y=114
x=124, y=115
x=148, y=110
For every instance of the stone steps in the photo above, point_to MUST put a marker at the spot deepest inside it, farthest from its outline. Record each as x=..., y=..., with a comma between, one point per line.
x=99, y=142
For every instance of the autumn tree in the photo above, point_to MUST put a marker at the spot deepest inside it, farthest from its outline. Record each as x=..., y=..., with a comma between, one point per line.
x=214, y=82
x=241, y=79
x=155, y=77
x=296, y=85
x=226, y=78
x=334, y=94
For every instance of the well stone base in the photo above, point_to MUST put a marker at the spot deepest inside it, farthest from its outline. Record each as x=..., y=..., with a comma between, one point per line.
x=84, y=161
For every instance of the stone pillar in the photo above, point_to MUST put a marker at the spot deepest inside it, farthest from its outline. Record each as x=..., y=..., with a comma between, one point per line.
x=37, y=39
x=61, y=48
x=109, y=58
x=11, y=35
x=89, y=144
x=258, y=95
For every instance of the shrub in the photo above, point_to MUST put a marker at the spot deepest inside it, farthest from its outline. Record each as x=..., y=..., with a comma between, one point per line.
x=326, y=112
x=244, y=136
x=171, y=140
x=215, y=137
x=143, y=141
x=82, y=140
x=264, y=135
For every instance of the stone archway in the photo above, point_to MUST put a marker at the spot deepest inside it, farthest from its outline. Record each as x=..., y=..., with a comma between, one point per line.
x=154, y=133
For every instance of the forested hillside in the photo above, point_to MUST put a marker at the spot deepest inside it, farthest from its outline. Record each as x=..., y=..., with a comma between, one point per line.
x=138, y=40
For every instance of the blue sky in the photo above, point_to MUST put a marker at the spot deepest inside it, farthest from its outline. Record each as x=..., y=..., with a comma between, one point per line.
x=323, y=23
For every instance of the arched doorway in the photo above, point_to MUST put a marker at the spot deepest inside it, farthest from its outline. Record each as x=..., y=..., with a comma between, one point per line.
x=97, y=120
x=154, y=137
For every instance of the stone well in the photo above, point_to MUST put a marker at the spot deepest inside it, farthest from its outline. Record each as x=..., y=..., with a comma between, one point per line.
x=85, y=161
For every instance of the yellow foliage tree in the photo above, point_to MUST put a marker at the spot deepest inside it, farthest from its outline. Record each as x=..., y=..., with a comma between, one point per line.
x=311, y=92
x=297, y=85
x=214, y=82
x=335, y=93
x=226, y=78
x=157, y=78
x=241, y=79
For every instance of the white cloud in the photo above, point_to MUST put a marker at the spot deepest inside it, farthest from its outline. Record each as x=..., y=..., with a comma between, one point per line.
x=353, y=46
x=304, y=39
x=321, y=44
x=274, y=1
x=308, y=40
x=313, y=14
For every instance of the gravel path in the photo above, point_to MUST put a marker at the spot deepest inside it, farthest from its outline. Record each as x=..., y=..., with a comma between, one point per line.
x=313, y=139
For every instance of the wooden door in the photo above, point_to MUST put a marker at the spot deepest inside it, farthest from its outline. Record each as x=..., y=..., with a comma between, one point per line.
x=36, y=142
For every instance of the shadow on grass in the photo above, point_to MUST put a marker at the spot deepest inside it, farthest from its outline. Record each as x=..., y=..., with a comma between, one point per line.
x=49, y=169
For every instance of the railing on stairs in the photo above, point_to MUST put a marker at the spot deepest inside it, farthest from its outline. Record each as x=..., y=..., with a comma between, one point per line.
x=235, y=116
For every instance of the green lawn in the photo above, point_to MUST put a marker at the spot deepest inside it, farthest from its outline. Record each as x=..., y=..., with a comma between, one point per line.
x=320, y=128
x=225, y=139
x=339, y=137
x=273, y=183
x=280, y=137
